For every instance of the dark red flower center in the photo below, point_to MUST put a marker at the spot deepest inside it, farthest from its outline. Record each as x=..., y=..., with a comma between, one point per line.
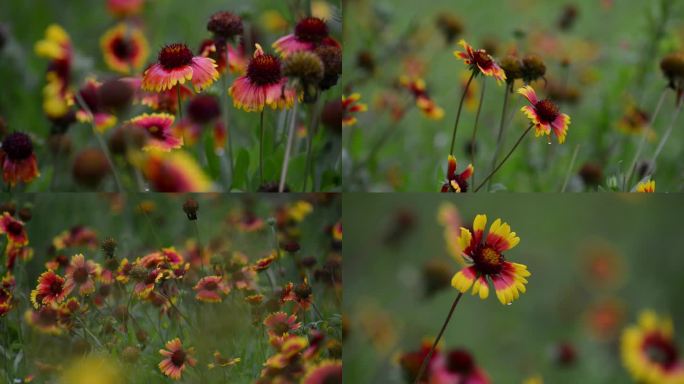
x=175, y=56
x=482, y=58
x=264, y=70
x=56, y=287
x=15, y=228
x=156, y=132
x=178, y=358
x=311, y=29
x=204, y=108
x=123, y=48
x=47, y=316
x=280, y=328
x=81, y=275
x=488, y=261
x=460, y=361
x=211, y=286
x=547, y=110
x=17, y=146
x=660, y=350
x=303, y=291
x=151, y=278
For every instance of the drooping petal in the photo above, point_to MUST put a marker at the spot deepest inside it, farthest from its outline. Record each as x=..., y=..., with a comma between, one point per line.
x=560, y=127
x=464, y=279
x=529, y=94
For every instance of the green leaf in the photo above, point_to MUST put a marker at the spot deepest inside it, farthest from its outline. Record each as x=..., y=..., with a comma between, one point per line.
x=213, y=161
x=241, y=169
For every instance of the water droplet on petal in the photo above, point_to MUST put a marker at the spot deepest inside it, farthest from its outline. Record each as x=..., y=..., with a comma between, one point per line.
x=509, y=303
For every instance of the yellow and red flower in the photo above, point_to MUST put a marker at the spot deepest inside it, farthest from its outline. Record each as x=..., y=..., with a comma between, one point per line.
x=545, y=115
x=124, y=48
x=263, y=263
x=279, y=324
x=221, y=361
x=82, y=273
x=479, y=61
x=649, y=351
x=489, y=263
x=325, y=372
x=77, y=236
x=350, y=107
x=56, y=94
x=14, y=229
x=158, y=130
x=45, y=319
x=18, y=160
x=263, y=85
x=176, y=359
x=646, y=187
x=237, y=60
x=56, y=45
x=635, y=121
x=176, y=64
x=309, y=34
x=418, y=89
x=210, y=288
x=456, y=183
x=174, y=171
x=51, y=288
x=456, y=366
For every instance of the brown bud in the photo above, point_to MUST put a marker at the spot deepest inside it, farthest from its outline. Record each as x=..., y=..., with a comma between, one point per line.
x=533, y=68
x=90, y=167
x=190, y=207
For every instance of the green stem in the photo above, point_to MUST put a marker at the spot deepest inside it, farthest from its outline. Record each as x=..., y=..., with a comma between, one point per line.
x=313, y=127
x=499, y=136
x=477, y=119
x=667, y=133
x=505, y=158
x=288, y=148
x=642, y=142
x=439, y=337
x=570, y=167
x=199, y=243
x=100, y=141
x=458, y=114
x=226, y=104
x=261, y=148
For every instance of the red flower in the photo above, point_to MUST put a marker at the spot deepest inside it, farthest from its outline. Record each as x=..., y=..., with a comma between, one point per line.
x=210, y=288
x=309, y=34
x=176, y=358
x=480, y=62
x=82, y=273
x=18, y=161
x=14, y=229
x=545, y=115
x=51, y=289
x=456, y=183
x=175, y=65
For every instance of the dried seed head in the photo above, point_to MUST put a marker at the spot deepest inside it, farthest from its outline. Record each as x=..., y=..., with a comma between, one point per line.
x=59, y=143
x=568, y=17
x=90, y=167
x=512, y=67
x=131, y=354
x=18, y=146
x=533, y=68
x=109, y=246
x=311, y=29
x=126, y=137
x=332, y=65
x=141, y=336
x=25, y=214
x=204, y=108
x=115, y=95
x=591, y=174
x=450, y=26
x=225, y=25
x=305, y=66
x=366, y=61
x=190, y=207
x=672, y=66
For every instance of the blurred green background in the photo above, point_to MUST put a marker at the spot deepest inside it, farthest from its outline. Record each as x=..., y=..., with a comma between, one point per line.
x=163, y=22
x=608, y=46
x=389, y=238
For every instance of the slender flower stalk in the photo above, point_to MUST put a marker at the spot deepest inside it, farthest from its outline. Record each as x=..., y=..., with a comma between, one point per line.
x=499, y=136
x=180, y=110
x=667, y=133
x=570, y=167
x=288, y=148
x=313, y=127
x=427, y=358
x=261, y=147
x=226, y=106
x=644, y=137
x=505, y=158
x=100, y=140
x=477, y=119
x=458, y=114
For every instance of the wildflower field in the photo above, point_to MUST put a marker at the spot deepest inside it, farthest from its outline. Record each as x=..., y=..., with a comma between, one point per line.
x=169, y=96
x=516, y=95
x=581, y=289
x=110, y=289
